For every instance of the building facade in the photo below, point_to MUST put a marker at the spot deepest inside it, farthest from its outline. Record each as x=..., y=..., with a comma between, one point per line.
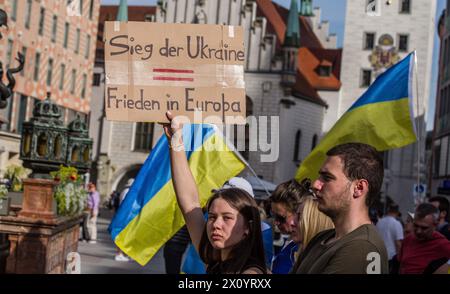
x=296, y=111
x=440, y=163
x=377, y=35
x=57, y=39
x=120, y=148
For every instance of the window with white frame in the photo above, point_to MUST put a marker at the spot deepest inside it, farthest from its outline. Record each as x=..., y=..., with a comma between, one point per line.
x=143, y=139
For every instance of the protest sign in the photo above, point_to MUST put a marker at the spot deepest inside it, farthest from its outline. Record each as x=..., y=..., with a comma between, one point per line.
x=155, y=67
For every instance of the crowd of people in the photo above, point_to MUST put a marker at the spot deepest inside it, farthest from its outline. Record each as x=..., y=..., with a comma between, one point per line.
x=328, y=222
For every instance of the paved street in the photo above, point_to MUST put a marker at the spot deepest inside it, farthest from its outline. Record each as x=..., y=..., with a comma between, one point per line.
x=99, y=258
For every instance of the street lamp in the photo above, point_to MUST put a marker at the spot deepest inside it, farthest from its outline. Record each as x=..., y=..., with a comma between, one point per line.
x=79, y=148
x=46, y=143
x=43, y=146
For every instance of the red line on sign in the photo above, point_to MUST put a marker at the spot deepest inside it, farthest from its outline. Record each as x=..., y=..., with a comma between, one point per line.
x=173, y=79
x=173, y=70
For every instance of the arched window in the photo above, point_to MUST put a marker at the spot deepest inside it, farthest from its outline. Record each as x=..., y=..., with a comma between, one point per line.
x=298, y=137
x=314, y=142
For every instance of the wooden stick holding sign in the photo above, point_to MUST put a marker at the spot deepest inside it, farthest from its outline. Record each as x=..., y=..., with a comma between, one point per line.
x=155, y=67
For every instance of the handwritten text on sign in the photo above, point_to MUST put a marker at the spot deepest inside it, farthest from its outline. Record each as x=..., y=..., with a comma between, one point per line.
x=155, y=67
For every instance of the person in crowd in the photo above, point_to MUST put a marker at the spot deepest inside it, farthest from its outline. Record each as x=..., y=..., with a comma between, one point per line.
x=192, y=263
x=120, y=255
x=349, y=181
x=114, y=201
x=174, y=250
x=309, y=222
x=409, y=226
x=439, y=266
x=93, y=204
x=266, y=229
x=443, y=205
x=125, y=190
x=425, y=247
x=230, y=241
x=84, y=235
x=391, y=230
x=284, y=203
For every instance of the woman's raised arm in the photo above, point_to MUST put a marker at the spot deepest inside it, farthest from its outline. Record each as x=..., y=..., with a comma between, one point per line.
x=183, y=180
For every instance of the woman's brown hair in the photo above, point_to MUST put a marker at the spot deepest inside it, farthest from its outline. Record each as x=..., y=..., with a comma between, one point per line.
x=289, y=193
x=249, y=252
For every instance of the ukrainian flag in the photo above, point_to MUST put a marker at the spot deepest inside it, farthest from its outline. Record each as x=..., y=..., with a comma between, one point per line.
x=381, y=117
x=149, y=214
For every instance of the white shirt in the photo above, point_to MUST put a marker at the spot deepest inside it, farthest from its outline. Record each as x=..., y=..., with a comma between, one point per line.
x=123, y=194
x=390, y=230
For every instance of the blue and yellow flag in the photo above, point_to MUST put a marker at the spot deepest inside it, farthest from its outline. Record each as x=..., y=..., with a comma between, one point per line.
x=381, y=117
x=149, y=214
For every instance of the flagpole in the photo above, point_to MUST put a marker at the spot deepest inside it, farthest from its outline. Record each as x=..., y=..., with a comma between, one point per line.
x=419, y=129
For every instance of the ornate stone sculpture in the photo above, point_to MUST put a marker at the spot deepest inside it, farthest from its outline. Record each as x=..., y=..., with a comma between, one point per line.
x=6, y=90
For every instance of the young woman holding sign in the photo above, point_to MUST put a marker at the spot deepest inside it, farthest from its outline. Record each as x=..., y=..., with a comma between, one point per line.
x=230, y=241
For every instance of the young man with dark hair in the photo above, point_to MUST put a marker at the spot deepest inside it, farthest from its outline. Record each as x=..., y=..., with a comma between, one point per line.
x=349, y=180
x=425, y=246
x=443, y=205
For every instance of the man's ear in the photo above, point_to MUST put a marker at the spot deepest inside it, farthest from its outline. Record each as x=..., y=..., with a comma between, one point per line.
x=361, y=188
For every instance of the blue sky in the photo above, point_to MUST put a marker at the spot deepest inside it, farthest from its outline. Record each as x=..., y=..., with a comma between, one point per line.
x=334, y=12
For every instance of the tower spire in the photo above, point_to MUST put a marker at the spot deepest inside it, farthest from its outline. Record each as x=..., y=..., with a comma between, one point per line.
x=292, y=37
x=122, y=13
x=306, y=8
x=290, y=49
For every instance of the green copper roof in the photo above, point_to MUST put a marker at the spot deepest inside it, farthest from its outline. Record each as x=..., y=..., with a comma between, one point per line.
x=292, y=37
x=122, y=14
x=306, y=8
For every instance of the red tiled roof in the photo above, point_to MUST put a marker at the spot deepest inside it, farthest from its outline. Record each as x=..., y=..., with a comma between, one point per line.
x=135, y=13
x=275, y=24
x=334, y=56
x=310, y=59
x=311, y=52
x=109, y=12
x=307, y=36
x=276, y=16
x=325, y=63
x=305, y=90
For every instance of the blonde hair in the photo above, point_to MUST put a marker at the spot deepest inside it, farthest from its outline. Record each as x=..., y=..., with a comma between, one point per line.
x=313, y=221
